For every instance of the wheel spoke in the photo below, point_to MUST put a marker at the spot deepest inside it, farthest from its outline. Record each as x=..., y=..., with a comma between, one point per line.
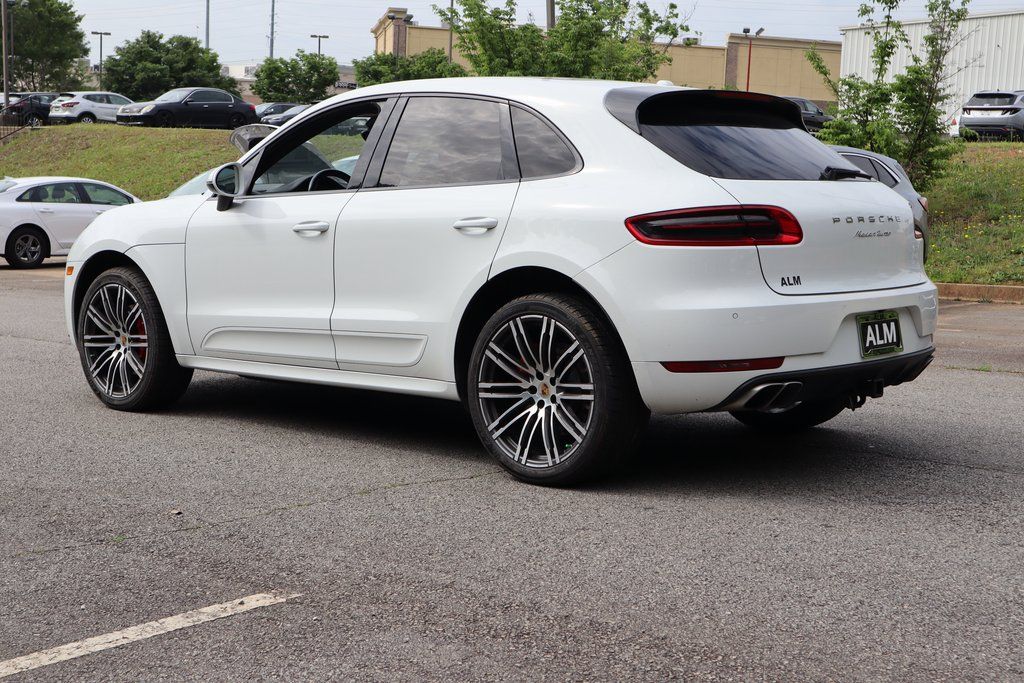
x=583, y=392
x=100, y=321
x=134, y=364
x=575, y=430
x=548, y=435
x=508, y=422
x=534, y=418
x=101, y=360
x=572, y=347
x=506, y=363
x=523, y=345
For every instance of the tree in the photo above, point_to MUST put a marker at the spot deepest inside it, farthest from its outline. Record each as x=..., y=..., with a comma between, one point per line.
x=48, y=41
x=304, y=78
x=149, y=65
x=901, y=116
x=611, y=39
x=384, y=68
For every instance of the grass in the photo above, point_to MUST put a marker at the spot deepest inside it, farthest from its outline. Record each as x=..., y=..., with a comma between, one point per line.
x=977, y=217
x=148, y=162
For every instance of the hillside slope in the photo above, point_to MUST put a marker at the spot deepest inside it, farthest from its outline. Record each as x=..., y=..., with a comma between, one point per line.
x=148, y=162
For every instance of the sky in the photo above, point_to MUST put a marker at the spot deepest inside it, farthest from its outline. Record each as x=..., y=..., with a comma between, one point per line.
x=239, y=29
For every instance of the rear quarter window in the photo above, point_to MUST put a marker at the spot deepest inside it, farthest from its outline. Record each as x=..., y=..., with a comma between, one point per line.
x=541, y=151
x=735, y=136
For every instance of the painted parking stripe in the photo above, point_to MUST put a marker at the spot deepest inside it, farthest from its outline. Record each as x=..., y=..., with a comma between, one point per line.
x=140, y=632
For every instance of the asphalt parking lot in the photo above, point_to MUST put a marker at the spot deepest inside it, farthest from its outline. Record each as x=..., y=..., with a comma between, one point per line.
x=888, y=545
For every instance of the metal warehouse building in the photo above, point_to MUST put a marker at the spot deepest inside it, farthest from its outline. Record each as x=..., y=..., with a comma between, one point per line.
x=990, y=58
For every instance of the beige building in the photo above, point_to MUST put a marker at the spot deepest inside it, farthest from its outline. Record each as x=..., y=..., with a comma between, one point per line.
x=777, y=66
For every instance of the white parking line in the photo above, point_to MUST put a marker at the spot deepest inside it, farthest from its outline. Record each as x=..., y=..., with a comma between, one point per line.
x=140, y=632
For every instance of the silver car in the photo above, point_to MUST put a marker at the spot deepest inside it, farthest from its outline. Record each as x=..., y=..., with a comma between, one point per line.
x=888, y=171
x=995, y=114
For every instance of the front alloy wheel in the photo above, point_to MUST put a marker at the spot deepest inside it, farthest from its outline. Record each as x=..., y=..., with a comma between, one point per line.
x=550, y=391
x=26, y=250
x=124, y=344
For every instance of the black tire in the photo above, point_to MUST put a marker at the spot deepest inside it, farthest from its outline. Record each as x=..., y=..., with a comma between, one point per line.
x=617, y=416
x=26, y=247
x=34, y=120
x=162, y=380
x=87, y=118
x=236, y=121
x=803, y=416
x=165, y=119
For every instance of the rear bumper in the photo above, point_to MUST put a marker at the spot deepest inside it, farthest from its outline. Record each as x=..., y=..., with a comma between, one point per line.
x=62, y=117
x=785, y=389
x=991, y=126
x=714, y=305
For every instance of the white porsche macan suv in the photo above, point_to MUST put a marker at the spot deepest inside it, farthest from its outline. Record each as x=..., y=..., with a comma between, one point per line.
x=562, y=256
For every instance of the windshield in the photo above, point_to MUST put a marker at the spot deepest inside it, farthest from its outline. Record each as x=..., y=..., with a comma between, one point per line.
x=196, y=185
x=6, y=184
x=991, y=99
x=173, y=95
x=295, y=110
x=727, y=137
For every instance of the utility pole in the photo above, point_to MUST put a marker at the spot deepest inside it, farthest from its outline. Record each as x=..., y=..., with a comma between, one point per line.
x=551, y=14
x=3, y=31
x=207, y=24
x=271, y=29
x=319, y=37
x=451, y=33
x=750, y=49
x=101, y=34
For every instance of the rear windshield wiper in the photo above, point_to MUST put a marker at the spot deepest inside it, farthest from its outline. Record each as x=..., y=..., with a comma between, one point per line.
x=836, y=173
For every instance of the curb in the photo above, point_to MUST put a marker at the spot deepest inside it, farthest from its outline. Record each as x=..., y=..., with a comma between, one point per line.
x=1003, y=294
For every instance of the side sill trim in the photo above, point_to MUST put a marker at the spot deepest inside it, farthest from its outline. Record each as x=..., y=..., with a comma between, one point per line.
x=416, y=386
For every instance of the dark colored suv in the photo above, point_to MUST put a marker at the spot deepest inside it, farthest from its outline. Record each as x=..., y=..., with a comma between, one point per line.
x=33, y=109
x=192, y=107
x=814, y=118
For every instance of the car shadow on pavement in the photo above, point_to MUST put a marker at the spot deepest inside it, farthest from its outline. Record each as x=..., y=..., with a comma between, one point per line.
x=709, y=453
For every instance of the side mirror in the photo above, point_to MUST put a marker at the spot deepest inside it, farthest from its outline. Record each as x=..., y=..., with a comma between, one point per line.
x=225, y=183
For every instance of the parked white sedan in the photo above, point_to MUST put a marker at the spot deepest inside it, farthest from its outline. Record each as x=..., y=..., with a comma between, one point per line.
x=43, y=216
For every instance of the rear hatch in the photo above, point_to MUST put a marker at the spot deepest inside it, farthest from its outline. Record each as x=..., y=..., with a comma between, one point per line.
x=858, y=234
x=991, y=104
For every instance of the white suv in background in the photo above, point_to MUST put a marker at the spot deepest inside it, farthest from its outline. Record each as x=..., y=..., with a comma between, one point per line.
x=563, y=256
x=87, y=107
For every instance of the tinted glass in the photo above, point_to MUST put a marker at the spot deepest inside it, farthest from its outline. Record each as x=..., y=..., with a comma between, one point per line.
x=737, y=142
x=58, y=193
x=101, y=194
x=210, y=96
x=118, y=99
x=173, y=95
x=330, y=141
x=863, y=163
x=445, y=141
x=541, y=152
x=991, y=100
x=883, y=174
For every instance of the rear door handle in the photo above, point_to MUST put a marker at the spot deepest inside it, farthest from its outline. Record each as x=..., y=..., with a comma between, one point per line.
x=475, y=226
x=311, y=228
x=45, y=210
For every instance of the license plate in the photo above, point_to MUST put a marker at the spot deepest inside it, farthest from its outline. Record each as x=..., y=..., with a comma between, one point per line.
x=986, y=112
x=879, y=333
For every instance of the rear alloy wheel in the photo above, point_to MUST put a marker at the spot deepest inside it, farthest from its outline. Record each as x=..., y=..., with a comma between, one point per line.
x=87, y=118
x=124, y=345
x=34, y=120
x=26, y=248
x=551, y=393
x=798, y=418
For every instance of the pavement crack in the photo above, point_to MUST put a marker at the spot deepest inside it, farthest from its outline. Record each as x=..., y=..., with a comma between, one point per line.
x=122, y=538
x=38, y=339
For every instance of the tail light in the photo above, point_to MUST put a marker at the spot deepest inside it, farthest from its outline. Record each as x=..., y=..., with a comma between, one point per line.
x=923, y=201
x=723, y=365
x=717, y=226
x=69, y=105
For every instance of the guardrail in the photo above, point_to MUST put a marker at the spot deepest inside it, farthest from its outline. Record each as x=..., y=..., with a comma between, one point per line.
x=10, y=124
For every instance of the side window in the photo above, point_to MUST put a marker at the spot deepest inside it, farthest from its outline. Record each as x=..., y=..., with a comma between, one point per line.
x=117, y=99
x=209, y=96
x=108, y=196
x=883, y=174
x=541, y=151
x=332, y=141
x=58, y=193
x=445, y=141
x=863, y=163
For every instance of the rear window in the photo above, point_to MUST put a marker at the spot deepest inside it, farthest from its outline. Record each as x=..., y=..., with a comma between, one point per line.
x=991, y=99
x=735, y=136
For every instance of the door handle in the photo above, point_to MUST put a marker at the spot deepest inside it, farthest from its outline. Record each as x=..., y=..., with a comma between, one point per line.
x=475, y=226
x=311, y=228
x=45, y=210
x=100, y=210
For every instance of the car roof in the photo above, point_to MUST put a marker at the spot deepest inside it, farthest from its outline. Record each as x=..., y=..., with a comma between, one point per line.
x=41, y=179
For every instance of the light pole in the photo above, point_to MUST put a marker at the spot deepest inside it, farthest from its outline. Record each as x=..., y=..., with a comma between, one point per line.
x=750, y=49
x=319, y=37
x=101, y=34
x=272, y=9
x=551, y=13
x=3, y=48
x=207, y=24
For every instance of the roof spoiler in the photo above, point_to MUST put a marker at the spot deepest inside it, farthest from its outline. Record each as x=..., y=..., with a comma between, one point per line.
x=649, y=104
